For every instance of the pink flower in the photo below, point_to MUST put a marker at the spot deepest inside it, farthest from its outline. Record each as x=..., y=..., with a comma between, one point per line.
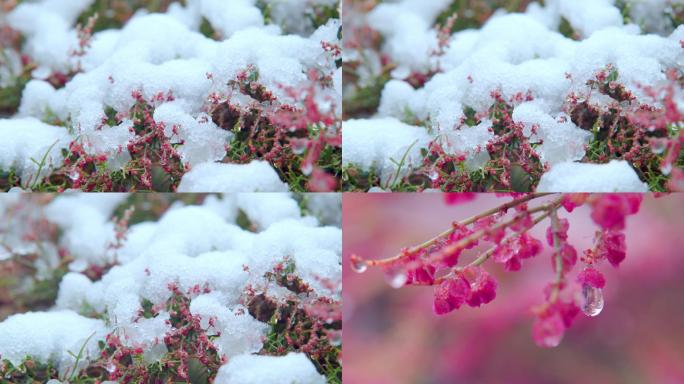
x=528, y=246
x=567, y=311
x=611, y=245
x=592, y=277
x=450, y=295
x=458, y=198
x=493, y=235
x=609, y=210
x=568, y=258
x=551, y=322
x=513, y=264
x=563, y=226
x=423, y=275
x=482, y=287
x=548, y=331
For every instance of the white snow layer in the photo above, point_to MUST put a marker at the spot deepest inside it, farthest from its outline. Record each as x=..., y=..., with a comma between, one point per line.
x=50, y=336
x=616, y=176
x=28, y=145
x=161, y=54
x=293, y=368
x=374, y=143
x=515, y=53
x=257, y=176
x=190, y=246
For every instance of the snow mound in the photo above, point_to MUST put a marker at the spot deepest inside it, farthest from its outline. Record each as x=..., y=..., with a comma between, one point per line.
x=167, y=61
x=50, y=336
x=217, y=254
x=616, y=176
x=522, y=59
x=562, y=140
x=293, y=368
x=28, y=144
x=239, y=331
x=257, y=176
x=372, y=144
x=191, y=245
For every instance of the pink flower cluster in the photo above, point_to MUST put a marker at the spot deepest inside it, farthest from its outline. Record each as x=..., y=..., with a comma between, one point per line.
x=478, y=289
x=609, y=212
x=506, y=228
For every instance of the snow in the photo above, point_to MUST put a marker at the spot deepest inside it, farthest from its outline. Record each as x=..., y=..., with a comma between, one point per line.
x=50, y=336
x=406, y=25
x=206, y=141
x=252, y=369
x=165, y=54
x=562, y=140
x=85, y=220
x=316, y=253
x=515, y=54
x=36, y=98
x=616, y=176
x=265, y=209
x=371, y=144
x=239, y=332
x=327, y=207
x=588, y=16
x=26, y=141
x=240, y=15
x=470, y=141
x=257, y=176
x=199, y=248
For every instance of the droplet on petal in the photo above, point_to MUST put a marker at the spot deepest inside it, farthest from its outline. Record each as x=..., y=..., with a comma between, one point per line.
x=298, y=149
x=307, y=168
x=396, y=278
x=658, y=146
x=358, y=264
x=548, y=331
x=593, y=300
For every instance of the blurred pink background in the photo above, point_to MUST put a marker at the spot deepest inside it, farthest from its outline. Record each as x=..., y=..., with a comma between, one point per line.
x=392, y=336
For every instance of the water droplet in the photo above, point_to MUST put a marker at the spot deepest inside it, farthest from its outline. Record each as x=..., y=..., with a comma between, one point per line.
x=307, y=168
x=111, y=367
x=434, y=175
x=552, y=340
x=358, y=265
x=396, y=278
x=658, y=146
x=666, y=169
x=593, y=300
x=299, y=147
x=75, y=175
x=335, y=338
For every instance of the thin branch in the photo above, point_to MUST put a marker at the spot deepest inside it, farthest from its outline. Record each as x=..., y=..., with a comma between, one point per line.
x=501, y=208
x=555, y=225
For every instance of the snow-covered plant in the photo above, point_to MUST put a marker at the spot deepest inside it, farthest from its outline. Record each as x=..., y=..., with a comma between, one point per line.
x=191, y=96
x=533, y=97
x=505, y=230
x=170, y=288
